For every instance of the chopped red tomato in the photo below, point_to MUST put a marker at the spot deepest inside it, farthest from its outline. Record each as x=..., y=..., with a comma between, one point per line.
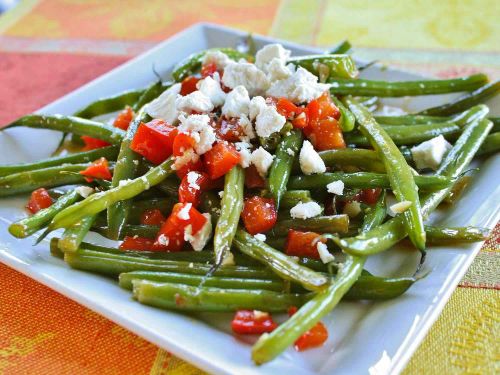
x=154, y=140
x=182, y=142
x=195, y=164
x=229, y=129
x=124, y=118
x=327, y=107
x=312, y=338
x=93, y=143
x=208, y=70
x=302, y=119
x=326, y=134
x=39, y=200
x=191, y=187
x=286, y=108
x=247, y=322
x=259, y=214
x=171, y=234
x=370, y=196
x=152, y=217
x=253, y=179
x=220, y=159
x=138, y=244
x=188, y=85
x=98, y=169
x=314, y=114
x=303, y=244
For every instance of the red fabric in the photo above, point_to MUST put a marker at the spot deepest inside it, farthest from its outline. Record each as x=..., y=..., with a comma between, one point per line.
x=29, y=81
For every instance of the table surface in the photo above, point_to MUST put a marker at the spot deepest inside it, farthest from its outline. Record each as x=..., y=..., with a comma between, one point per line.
x=50, y=47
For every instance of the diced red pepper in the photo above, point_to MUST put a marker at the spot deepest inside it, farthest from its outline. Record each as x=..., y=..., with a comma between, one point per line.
x=326, y=134
x=221, y=159
x=171, y=234
x=93, y=143
x=182, y=143
x=208, y=70
x=312, y=338
x=253, y=179
x=98, y=169
x=286, y=108
x=370, y=196
x=327, y=106
x=138, y=243
x=124, y=118
x=193, y=165
x=190, y=191
x=229, y=129
x=152, y=217
x=154, y=140
x=314, y=114
x=303, y=244
x=39, y=200
x=259, y=214
x=301, y=121
x=188, y=85
x=247, y=322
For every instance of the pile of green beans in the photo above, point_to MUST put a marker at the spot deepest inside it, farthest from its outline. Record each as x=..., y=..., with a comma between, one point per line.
x=237, y=270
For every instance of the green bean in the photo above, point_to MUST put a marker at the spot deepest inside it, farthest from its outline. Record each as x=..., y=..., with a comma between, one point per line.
x=126, y=280
x=109, y=153
x=496, y=124
x=410, y=120
x=280, y=170
x=490, y=145
x=327, y=66
x=27, y=226
x=74, y=235
x=378, y=288
x=130, y=230
x=170, y=186
x=192, y=63
x=347, y=120
x=210, y=202
x=399, y=173
x=409, y=135
x=231, y=206
x=165, y=205
x=375, y=214
x=364, y=180
x=100, y=201
x=114, y=264
x=195, y=298
x=342, y=47
x=293, y=197
x=480, y=95
x=71, y=124
x=24, y=182
x=456, y=161
x=281, y=264
x=109, y=104
x=364, y=87
x=447, y=235
x=319, y=224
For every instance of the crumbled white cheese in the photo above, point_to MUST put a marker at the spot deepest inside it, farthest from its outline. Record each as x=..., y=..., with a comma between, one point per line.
x=194, y=102
x=290, y=152
x=309, y=159
x=257, y=104
x=237, y=102
x=277, y=70
x=247, y=75
x=220, y=59
x=247, y=127
x=257, y=314
x=163, y=240
x=430, y=154
x=324, y=254
x=269, y=52
x=189, y=156
x=335, y=187
x=84, y=191
x=245, y=153
x=352, y=209
x=228, y=260
x=400, y=207
x=192, y=179
x=200, y=238
x=262, y=160
x=305, y=210
x=220, y=194
x=198, y=126
x=268, y=122
x=163, y=107
x=260, y=236
x=183, y=214
x=302, y=86
x=210, y=86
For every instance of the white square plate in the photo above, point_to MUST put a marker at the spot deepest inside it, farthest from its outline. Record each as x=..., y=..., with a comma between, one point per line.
x=376, y=338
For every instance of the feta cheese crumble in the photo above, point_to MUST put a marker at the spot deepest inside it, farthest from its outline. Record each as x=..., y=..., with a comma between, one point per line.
x=163, y=107
x=309, y=160
x=194, y=102
x=247, y=127
x=260, y=237
x=257, y=104
x=430, y=154
x=269, y=121
x=271, y=59
x=262, y=160
x=163, y=240
x=183, y=214
x=324, y=254
x=192, y=179
x=335, y=187
x=220, y=59
x=200, y=239
x=305, y=210
x=247, y=75
x=302, y=86
x=237, y=102
x=400, y=207
x=84, y=191
x=245, y=153
x=198, y=126
x=352, y=209
x=210, y=86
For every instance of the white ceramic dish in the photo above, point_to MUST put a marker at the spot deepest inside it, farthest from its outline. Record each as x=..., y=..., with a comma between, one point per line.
x=364, y=338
